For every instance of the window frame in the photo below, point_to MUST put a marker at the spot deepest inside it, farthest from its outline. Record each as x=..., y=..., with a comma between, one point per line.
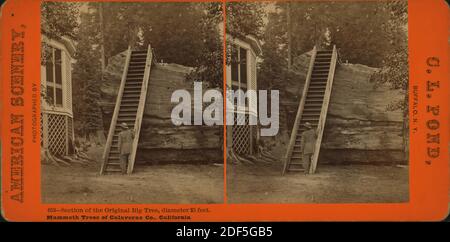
x=53, y=83
x=238, y=83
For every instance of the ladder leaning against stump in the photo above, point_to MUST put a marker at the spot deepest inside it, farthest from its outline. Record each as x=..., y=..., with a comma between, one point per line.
x=129, y=108
x=313, y=107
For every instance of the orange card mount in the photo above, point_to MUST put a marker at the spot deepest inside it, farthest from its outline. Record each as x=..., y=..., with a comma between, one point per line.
x=27, y=181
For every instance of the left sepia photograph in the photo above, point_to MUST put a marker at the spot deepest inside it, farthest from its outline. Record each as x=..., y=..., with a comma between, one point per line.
x=111, y=75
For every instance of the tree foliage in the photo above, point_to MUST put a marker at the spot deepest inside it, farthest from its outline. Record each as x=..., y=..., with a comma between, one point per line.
x=86, y=78
x=59, y=19
x=245, y=18
x=369, y=33
x=395, y=69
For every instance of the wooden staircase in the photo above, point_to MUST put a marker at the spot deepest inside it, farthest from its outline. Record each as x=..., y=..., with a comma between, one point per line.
x=313, y=107
x=129, y=108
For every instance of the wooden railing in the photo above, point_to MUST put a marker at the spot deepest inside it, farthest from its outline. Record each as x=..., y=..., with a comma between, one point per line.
x=140, y=110
x=116, y=112
x=301, y=106
x=323, y=113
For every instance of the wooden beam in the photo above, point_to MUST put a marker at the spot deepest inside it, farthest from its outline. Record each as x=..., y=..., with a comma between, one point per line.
x=116, y=112
x=140, y=111
x=324, y=111
x=287, y=158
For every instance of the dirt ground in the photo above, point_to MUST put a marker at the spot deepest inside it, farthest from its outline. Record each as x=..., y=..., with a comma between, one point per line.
x=180, y=183
x=332, y=184
x=171, y=184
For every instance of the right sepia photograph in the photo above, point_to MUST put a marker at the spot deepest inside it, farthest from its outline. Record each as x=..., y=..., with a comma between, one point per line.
x=317, y=102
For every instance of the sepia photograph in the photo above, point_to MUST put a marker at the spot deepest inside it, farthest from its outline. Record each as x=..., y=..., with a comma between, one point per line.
x=230, y=112
x=110, y=72
x=315, y=107
x=336, y=77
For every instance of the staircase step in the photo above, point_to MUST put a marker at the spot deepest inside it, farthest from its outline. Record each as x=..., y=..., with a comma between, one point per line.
x=296, y=169
x=321, y=67
x=129, y=101
x=113, y=170
x=134, y=71
x=329, y=54
x=121, y=119
x=313, y=95
x=138, y=58
x=320, y=71
x=138, y=79
x=132, y=91
x=317, y=87
x=313, y=101
x=133, y=83
x=131, y=95
x=322, y=84
x=133, y=87
x=139, y=52
x=137, y=64
x=312, y=120
x=315, y=91
x=319, y=75
x=137, y=68
x=130, y=98
x=322, y=59
x=321, y=63
x=315, y=110
x=130, y=126
x=114, y=157
x=139, y=55
x=129, y=105
x=122, y=115
x=128, y=110
x=319, y=78
x=135, y=76
x=310, y=115
x=313, y=104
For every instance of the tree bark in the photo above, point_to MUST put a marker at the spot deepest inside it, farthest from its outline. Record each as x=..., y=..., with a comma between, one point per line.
x=102, y=38
x=289, y=36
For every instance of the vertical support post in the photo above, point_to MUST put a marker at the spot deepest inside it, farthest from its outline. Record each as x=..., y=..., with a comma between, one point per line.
x=66, y=133
x=45, y=130
x=141, y=107
x=116, y=112
x=324, y=111
x=287, y=158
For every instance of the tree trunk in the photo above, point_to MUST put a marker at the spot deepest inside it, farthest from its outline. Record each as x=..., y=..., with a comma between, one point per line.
x=102, y=38
x=289, y=35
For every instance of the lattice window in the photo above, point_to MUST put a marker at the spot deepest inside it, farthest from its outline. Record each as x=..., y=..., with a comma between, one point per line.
x=241, y=135
x=57, y=136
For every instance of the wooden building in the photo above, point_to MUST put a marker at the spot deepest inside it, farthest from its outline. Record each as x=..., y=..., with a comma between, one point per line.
x=241, y=75
x=56, y=104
